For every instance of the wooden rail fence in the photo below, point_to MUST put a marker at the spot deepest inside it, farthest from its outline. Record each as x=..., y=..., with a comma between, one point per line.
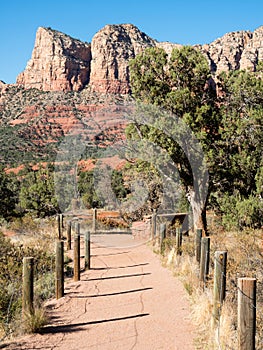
x=246, y=286
x=246, y=309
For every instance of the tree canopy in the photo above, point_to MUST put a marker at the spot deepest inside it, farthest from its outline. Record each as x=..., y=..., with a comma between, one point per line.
x=227, y=120
x=37, y=192
x=9, y=189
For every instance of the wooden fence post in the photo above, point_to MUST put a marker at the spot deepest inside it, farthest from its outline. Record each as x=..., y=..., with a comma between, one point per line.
x=162, y=233
x=28, y=286
x=204, y=260
x=246, y=313
x=185, y=225
x=59, y=269
x=94, y=220
x=219, y=283
x=69, y=235
x=179, y=235
x=153, y=227
x=59, y=227
x=77, y=253
x=87, y=250
x=198, y=238
x=61, y=221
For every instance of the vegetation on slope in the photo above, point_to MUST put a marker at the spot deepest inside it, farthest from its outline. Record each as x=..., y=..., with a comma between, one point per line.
x=227, y=123
x=228, y=126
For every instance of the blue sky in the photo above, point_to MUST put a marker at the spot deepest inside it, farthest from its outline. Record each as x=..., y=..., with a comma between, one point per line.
x=184, y=22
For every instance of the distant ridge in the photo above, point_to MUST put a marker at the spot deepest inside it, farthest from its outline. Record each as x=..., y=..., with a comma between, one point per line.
x=67, y=82
x=61, y=63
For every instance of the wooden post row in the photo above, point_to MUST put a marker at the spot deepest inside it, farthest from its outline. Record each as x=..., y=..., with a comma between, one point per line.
x=179, y=235
x=87, y=250
x=246, y=313
x=185, y=225
x=219, y=283
x=28, y=287
x=77, y=252
x=153, y=227
x=162, y=233
x=204, y=260
x=94, y=220
x=59, y=269
x=198, y=238
x=59, y=227
x=61, y=221
x=69, y=235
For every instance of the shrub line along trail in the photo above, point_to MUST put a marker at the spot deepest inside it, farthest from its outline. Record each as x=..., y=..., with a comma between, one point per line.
x=126, y=301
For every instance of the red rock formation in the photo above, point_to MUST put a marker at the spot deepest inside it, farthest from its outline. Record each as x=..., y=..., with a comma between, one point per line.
x=112, y=48
x=58, y=62
x=236, y=50
x=61, y=63
x=253, y=50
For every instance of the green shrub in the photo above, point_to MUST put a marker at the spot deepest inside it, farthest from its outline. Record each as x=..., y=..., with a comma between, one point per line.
x=240, y=213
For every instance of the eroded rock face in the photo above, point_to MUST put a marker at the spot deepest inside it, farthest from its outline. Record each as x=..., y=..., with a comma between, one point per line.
x=168, y=47
x=112, y=48
x=58, y=62
x=236, y=50
x=61, y=63
x=253, y=51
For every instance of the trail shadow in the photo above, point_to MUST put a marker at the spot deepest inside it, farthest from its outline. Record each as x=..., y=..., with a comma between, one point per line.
x=98, y=255
x=117, y=267
x=22, y=345
x=52, y=318
x=74, y=327
x=110, y=294
x=115, y=277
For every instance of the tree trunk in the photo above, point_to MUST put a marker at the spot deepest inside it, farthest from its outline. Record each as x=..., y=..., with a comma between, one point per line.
x=198, y=207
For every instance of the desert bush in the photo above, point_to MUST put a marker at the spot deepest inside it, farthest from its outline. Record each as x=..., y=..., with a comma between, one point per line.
x=24, y=224
x=113, y=223
x=239, y=213
x=33, y=323
x=11, y=263
x=37, y=193
x=245, y=255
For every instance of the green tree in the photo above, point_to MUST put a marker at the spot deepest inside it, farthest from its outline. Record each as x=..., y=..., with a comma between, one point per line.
x=87, y=191
x=89, y=195
x=239, y=153
x=180, y=85
x=228, y=125
x=149, y=79
x=9, y=189
x=118, y=185
x=37, y=193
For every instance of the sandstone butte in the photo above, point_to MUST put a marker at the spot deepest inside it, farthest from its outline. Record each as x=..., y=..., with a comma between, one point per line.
x=61, y=63
x=67, y=82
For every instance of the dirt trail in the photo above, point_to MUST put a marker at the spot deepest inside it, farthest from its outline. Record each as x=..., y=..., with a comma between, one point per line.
x=126, y=301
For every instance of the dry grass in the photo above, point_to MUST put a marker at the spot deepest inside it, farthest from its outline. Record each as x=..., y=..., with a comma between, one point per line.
x=225, y=333
x=244, y=251
x=32, y=238
x=33, y=323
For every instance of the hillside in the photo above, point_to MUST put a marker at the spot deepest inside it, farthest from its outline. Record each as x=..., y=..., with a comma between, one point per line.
x=67, y=81
x=34, y=121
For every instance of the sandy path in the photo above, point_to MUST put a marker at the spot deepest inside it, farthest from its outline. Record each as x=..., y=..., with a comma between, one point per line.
x=126, y=301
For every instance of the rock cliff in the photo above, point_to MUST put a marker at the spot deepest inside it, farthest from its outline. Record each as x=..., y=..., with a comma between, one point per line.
x=236, y=50
x=112, y=48
x=64, y=64
x=58, y=62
